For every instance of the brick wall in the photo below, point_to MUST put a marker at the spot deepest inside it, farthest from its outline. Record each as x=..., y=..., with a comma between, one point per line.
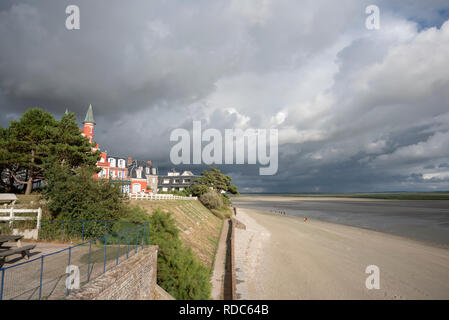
x=133, y=279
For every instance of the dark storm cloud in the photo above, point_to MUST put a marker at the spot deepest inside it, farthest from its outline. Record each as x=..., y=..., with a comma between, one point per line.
x=357, y=110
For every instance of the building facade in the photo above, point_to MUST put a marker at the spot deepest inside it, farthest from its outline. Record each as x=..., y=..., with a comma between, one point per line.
x=134, y=176
x=175, y=181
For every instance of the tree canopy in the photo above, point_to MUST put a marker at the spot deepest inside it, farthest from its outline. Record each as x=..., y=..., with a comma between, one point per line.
x=216, y=180
x=30, y=146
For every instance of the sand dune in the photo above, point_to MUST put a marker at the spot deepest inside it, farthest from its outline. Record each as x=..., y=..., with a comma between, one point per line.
x=286, y=258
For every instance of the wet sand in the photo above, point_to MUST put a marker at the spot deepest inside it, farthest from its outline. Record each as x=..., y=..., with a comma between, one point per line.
x=421, y=220
x=284, y=257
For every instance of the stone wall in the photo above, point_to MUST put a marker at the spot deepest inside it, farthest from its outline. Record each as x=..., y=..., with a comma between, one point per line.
x=133, y=279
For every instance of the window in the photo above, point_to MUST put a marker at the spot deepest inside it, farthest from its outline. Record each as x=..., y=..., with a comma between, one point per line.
x=112, y=162
x=147, y=170
x=186, y=181
x=121, y=163
x=103, y=173
x=136, y=188
x=176, y=181
x=166, y=181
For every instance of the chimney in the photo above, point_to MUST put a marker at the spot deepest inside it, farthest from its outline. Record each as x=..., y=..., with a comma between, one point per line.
x=149, y=162
x=130, y=161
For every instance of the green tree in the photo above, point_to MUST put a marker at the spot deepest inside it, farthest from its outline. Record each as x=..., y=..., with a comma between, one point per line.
x=217, y=180
x=199, y=189
x=76, y=195
x=36, y=142
x=6, y=166
x=26, y=146
x=70, y=147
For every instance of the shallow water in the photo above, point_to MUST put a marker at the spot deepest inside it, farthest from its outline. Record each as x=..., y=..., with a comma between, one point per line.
x=417, y=219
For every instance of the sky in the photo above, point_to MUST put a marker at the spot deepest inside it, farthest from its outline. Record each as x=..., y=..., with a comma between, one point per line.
x=357, y=110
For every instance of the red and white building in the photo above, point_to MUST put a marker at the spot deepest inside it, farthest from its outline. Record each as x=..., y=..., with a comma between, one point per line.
x=135, y=176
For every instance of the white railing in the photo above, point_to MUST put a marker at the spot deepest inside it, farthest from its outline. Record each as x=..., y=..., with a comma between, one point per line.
x=150, y=196
x=12, y=215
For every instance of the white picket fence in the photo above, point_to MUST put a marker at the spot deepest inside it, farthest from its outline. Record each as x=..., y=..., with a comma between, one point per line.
x=152, y=196
x=11, y=217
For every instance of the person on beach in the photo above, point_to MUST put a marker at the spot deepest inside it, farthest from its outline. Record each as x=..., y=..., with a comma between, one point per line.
x=305, y=219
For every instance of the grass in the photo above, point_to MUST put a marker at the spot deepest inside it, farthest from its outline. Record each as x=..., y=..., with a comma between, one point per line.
x=222, y=213
x=199, y=228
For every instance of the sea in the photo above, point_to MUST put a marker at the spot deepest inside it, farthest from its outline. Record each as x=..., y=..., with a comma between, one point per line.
x=423, y=220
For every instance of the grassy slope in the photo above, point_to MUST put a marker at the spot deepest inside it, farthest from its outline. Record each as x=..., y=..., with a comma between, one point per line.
x=200, y=229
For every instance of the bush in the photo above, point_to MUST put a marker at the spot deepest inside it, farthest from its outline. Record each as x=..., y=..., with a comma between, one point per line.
x=198, y=190
x=183, y=193
x=81, y=197
x=212, y=200
x=137, y=214
x=179, y=272
x=78, y=196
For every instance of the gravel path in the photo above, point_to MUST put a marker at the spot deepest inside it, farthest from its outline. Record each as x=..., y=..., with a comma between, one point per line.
x=219, y=265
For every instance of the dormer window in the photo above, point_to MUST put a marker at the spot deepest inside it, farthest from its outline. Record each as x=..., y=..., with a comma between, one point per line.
x=112, y=162
x=122, y=163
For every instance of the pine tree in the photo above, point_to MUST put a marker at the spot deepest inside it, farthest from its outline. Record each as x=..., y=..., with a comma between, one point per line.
x=217, y=180
x=37, y=142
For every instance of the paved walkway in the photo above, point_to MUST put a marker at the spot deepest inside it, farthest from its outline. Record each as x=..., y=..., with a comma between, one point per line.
x=220, y=264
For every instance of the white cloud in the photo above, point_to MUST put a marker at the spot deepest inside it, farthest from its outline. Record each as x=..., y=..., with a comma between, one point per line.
x=348, y=102
x=436, y=146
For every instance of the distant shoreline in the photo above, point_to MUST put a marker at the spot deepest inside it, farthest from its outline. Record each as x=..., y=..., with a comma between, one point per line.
x=422, y=220
x=336, y=196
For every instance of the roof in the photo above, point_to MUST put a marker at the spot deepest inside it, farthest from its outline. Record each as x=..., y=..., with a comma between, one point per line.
x=89, y=116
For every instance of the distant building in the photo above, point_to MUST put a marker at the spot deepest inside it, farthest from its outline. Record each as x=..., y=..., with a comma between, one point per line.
x=176, y=181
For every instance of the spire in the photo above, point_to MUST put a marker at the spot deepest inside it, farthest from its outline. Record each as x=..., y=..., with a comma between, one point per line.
x=66, y=111
x=89, y=116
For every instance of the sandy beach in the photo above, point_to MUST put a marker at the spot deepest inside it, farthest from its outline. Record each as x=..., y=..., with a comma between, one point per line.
x=283, y=257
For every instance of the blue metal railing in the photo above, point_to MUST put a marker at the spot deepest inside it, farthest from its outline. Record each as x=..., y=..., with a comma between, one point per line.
x=33, y=279
x=81, y=229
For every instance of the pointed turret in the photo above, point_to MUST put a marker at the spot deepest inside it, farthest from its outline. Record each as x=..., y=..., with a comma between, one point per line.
x=89, y=124
x=89, y=116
